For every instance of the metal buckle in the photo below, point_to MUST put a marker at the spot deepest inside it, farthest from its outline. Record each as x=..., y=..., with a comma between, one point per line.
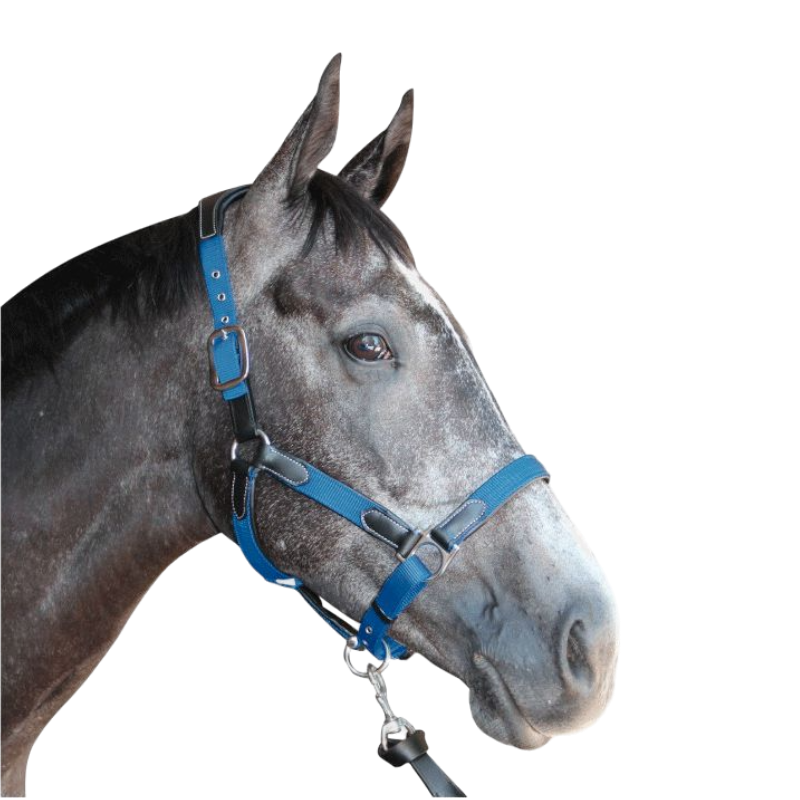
x=426, y=540
x=244, y=357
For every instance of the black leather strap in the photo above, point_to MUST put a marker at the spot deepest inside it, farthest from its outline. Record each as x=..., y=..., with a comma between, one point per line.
x=334, y=620
x=404, y=751
x=212, y=210
x=434, y=778
x=388, y=529
x=447, y=532
x=380, y=523
x=414, y=750
x=243, y=417
x=272, y=460
x=239, y=470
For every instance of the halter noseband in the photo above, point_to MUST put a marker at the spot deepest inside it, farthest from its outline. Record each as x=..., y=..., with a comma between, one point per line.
x=424, y=555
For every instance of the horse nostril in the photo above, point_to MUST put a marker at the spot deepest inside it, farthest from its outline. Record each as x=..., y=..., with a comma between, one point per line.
x=575, y=658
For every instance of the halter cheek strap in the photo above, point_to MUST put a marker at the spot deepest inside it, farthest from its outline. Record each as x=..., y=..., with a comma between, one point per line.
x=423, y=555
x=228, y=356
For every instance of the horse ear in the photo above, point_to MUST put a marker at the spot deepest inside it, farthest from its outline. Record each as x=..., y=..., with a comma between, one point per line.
x=310, y=140
x=374, y=172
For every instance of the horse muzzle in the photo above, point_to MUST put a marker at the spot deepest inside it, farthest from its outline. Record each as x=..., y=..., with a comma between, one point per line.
x=528, y=685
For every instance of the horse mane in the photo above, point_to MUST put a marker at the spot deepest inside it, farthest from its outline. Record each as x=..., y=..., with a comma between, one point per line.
x=152, y=272
x=155, y=272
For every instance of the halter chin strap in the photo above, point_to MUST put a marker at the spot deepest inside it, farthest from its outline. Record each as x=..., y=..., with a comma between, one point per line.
x=423, y=555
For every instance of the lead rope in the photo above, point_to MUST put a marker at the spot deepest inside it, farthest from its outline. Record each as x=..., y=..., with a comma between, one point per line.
x=413, y=749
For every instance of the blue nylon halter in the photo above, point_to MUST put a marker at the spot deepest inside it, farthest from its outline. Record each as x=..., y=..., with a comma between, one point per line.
x=229, y=361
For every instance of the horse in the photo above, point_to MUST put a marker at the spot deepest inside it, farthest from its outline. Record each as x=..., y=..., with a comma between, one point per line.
x=113, y=458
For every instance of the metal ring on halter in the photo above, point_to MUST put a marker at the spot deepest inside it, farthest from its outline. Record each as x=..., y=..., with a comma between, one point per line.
x=352, y=644
x=259, y=433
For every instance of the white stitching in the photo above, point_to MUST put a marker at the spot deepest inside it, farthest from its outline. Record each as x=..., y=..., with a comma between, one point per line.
x=299, y=464
x=283, y=477
x=233, y=498
x=459, y=510
x=371, y=530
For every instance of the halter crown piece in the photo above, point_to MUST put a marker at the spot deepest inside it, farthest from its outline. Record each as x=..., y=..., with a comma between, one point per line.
x=423, y=555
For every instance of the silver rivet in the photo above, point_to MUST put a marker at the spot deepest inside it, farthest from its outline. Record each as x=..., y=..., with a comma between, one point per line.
x=368, y=630
x=221, y=296
x=225, y=320
x=215, y=273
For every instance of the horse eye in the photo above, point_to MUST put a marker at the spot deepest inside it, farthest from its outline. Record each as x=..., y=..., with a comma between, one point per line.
x=369, y=347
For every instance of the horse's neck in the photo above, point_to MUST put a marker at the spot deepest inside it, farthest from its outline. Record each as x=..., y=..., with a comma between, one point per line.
x=103, y=441
x=99, y=497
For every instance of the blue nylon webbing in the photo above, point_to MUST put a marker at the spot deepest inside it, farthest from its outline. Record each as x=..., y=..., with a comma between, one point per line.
x=244, y=529
x=407, y=580
x=502, y=486
x=339, y=497
x=246, y=537
x=223, y=312
x=396, y=594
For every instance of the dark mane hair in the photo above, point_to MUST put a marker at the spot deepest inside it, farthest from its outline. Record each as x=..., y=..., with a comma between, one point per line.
x=150, y=272
x=355, y=220
x=155, y=271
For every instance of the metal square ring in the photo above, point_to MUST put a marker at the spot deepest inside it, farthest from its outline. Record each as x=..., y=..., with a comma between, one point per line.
x=244, y=357
x=425, y=540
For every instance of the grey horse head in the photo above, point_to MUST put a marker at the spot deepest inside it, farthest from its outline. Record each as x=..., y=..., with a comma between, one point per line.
x=361, y=369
